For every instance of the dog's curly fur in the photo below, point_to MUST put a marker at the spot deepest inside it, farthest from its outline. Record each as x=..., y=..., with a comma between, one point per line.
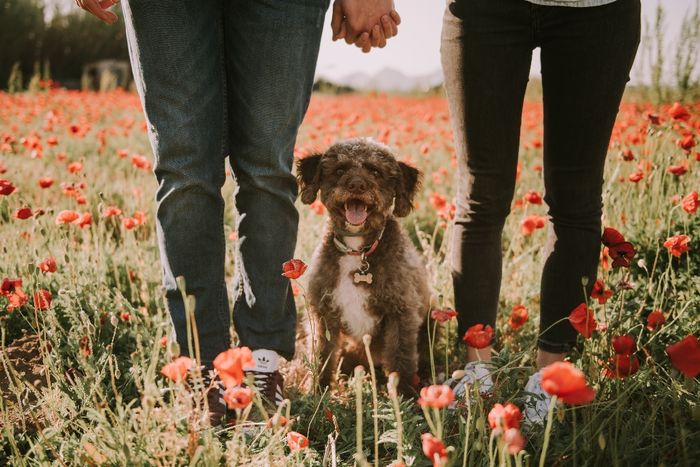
x=393, y=308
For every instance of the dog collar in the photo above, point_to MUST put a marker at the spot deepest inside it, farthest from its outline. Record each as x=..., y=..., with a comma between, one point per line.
x=363, y=251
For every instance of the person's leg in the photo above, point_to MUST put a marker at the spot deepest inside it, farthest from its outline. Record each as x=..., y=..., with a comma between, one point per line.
x=587, y=54
x=271, y=52
x=486, y=53
x=176, y=56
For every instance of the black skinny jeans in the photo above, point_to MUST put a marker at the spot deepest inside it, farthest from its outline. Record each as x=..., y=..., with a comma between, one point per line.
x=586, y=54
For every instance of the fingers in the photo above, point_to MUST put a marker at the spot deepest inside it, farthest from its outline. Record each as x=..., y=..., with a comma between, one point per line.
x=388, y=26
x=337, y=20
x=378, y=37
x=93, y=7
x=107, y=3
x=364, y=42
x=343, y=31
x=395, y=16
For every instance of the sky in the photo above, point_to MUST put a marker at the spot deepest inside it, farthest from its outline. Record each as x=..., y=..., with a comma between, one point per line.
x=415, y=51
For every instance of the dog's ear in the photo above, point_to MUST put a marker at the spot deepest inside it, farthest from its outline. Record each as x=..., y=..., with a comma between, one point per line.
x=406, y=189
x=309, y=177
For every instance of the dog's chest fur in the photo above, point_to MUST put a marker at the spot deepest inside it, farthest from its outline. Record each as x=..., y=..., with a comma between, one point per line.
x=351, y=298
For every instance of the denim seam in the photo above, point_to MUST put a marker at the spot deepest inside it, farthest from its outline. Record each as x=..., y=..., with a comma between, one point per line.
x=223, y=295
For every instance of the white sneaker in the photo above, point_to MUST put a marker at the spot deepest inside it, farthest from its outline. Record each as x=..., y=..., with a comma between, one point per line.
x=536, y=401
x=473, y=373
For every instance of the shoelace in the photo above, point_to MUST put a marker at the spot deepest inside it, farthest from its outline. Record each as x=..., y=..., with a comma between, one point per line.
x=268, y=384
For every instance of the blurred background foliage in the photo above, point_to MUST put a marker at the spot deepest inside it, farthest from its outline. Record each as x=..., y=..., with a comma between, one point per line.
x=57, y=42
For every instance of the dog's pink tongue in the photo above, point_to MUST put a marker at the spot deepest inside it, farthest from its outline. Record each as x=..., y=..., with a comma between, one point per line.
x=355, y=212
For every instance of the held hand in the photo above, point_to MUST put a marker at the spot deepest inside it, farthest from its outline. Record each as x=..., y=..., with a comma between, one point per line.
x=365, y=23
x=98, y=8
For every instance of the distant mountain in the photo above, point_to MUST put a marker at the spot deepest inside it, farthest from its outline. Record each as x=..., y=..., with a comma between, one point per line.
x=390, y=79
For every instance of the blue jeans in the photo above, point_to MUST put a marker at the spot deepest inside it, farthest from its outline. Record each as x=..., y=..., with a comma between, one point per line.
x=220, y=78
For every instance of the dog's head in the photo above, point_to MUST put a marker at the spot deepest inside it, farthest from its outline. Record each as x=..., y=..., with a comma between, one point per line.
x=361, y=184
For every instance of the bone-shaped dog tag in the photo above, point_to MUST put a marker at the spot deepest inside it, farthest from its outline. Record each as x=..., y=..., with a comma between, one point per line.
x=359, y=277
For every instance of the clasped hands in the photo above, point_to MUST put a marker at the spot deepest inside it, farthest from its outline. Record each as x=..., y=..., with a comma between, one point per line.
x=364, y=23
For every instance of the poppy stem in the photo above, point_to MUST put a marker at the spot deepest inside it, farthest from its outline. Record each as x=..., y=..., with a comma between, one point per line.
x=548, y=430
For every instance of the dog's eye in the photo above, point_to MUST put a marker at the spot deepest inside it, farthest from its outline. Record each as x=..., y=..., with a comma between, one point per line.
x=339, y=172
x=376, y=173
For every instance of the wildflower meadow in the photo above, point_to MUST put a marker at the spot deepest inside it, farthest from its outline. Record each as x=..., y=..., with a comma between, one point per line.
x=89, y=376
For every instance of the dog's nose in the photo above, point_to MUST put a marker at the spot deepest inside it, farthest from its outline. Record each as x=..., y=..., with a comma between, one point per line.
x=357, y=185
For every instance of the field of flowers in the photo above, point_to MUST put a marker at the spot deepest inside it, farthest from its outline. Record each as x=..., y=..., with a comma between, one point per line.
x=88, y=376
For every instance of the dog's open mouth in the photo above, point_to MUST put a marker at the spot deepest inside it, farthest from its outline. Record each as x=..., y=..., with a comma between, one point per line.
x=356, y=212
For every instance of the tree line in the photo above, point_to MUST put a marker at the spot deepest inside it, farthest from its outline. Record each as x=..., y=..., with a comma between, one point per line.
x=63, y=44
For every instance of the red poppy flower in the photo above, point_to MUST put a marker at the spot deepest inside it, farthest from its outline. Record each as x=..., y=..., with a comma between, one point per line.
x=437, y=396
x=318, y=207
x=438, y=201
x=679, y=169
x=686, y=143
x=653, y=118
x=619, y=250
x=478, y=336
x=518, y=316
x=533, y=197
x=627, y=155
x=6, y=187
x=140, y=162
x=42, y=299
x=636, y=176
x=47, y=265
x=277, y=420
x=443, y=314
x=45, y=182
x=433, y=449
x=567, y=382
x=231, y=363
x=111, y=211
x=23, y=213
x=75, y=167
x=66, y=217
x=16, y=299
x=84, y=220
x=600, y=293
x=504, y=416
x=8, y=286
x=655, y=320
x=621, y=366
x=129, y=223
x=530, y=223
x=238, y=397
x=514, y=439
x=685, y=356
x=678, y=112
x=297, y=441
x=677, y=244
x=624, y=345
x=293, y=269
x=690, y=203
x=583, y=320
x=177, y=369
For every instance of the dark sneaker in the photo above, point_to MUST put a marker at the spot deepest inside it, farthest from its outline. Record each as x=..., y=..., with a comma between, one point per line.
x=217, y=407
x=270, y=385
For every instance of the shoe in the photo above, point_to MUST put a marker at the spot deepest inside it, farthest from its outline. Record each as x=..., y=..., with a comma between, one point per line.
x=270, y=386
x=536, y=401
x=218, y=410
x=473, y=373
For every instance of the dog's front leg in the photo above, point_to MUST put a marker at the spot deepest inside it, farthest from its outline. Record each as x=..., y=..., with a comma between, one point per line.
x=399, y=351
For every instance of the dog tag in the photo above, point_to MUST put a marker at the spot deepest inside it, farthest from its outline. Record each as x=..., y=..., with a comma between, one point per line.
x=359, y=277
